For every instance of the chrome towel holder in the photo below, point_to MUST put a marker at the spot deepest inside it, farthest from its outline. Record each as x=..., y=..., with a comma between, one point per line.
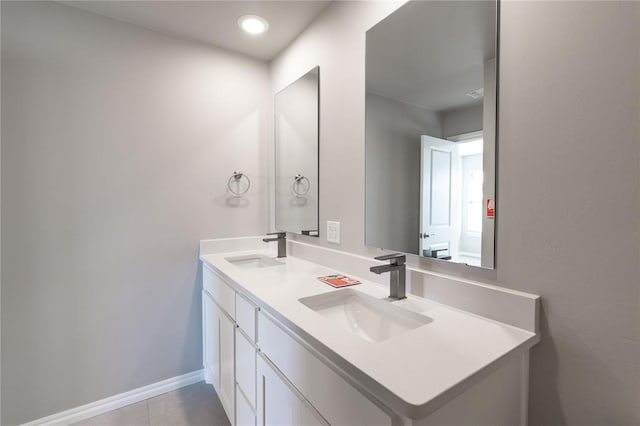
x=236, y=178
x=297, y=182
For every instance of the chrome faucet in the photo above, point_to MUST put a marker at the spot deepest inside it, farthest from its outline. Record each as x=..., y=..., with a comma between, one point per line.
x=397, y=279
x=282, y=242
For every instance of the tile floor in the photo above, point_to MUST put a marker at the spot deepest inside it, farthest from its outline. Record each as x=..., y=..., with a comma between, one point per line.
x=195, y=405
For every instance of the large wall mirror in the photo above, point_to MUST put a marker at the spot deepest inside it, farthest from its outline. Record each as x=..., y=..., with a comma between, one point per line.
x=430, y=131
x=296, y=155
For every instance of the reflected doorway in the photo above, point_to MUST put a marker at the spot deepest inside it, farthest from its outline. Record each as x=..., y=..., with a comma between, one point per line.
x=451, y=198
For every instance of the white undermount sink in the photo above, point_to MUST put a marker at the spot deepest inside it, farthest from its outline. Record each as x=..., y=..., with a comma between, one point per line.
x=253, y=261
x=375, y=320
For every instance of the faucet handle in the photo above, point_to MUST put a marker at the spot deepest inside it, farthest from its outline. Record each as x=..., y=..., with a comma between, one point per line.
x=279, y=234
x=395, y=258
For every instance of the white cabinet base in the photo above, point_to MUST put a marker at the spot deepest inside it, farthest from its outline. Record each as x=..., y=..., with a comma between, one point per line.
x=267, y=375
x=500, y=399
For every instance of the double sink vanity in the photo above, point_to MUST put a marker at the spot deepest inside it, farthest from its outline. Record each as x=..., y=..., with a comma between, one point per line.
x=407, y=346
x=283, y=348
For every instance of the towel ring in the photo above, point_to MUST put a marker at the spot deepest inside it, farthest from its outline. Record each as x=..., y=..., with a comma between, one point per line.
x=237, y=177
x=297, y=181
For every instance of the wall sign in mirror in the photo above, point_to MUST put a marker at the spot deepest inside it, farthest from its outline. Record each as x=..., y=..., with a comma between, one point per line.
x=296, y=149
x=430, y=131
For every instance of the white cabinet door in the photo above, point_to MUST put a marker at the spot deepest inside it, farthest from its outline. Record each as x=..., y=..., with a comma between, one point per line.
x=219, y=352
x=245, y=416
x=246, y=367
x=279, y=404
x=211, y=344
x=226, y=392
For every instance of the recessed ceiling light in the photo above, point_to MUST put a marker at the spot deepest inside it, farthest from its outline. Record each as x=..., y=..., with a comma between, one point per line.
x=253, y=24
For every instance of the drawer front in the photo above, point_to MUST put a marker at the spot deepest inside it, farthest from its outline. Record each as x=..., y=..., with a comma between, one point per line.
x=245, y=416
x=246, y=316
x=338, y=402
x=246, y=367
x=221, y=292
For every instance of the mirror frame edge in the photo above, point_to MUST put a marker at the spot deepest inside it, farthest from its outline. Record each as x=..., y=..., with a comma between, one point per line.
x=496, y=108
x=274, y=154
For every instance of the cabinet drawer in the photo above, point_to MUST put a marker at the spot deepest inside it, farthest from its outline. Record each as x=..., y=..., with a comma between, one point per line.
x=338, y=402
x=221, y=292
x=246, y=367
x=246, y=316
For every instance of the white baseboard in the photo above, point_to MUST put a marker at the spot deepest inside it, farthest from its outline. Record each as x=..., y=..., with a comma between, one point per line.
x=102, y=406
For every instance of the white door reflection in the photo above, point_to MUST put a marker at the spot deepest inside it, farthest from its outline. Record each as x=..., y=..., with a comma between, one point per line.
x=451, y=198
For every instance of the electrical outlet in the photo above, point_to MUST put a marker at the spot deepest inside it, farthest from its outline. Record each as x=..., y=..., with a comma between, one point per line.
x=333, y=232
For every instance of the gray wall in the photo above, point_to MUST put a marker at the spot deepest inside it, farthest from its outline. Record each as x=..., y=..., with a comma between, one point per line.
x=460, y=121
x=393, y=171
x=117, y=143
x=568, y=213
x=568, y=197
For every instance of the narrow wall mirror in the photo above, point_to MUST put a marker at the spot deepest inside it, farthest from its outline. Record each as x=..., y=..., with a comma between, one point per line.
x=430, y=131
x=296, y=155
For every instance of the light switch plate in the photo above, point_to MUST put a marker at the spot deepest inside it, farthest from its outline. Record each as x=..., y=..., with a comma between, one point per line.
x=333, y=232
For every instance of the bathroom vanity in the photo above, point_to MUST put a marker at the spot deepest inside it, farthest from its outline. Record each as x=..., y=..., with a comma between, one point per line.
x=283, y=348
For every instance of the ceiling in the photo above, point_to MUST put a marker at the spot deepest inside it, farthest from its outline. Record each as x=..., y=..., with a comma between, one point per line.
x=215, y=22
x=430, y=54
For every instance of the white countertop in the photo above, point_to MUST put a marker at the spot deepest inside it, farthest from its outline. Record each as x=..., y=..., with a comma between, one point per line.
x=414, y=373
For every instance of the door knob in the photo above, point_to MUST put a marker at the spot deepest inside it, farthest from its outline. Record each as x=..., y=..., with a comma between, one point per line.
x=425, y=235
